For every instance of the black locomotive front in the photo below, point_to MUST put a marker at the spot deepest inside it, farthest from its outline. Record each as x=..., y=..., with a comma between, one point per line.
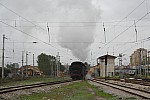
x=77, y=70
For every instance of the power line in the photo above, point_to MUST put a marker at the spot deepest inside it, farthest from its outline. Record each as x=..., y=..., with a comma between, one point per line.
x=82, y=26
x=136, y=37
x=64, y=22
x=128, y=14
x=22, y=17
x=125, y=30
x=137, y=43
x=32, y=36
x=129, y=27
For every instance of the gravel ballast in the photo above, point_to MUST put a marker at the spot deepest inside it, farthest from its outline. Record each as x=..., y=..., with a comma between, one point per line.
x=115, y=92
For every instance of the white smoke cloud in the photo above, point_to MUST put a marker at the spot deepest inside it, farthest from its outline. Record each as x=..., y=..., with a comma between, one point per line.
x=79, y=38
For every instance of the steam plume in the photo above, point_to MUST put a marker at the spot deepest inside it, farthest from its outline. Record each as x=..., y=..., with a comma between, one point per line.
x=79, y=36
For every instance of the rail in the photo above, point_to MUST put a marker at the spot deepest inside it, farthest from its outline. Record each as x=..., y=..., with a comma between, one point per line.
x=21, y=87
x=134, y=91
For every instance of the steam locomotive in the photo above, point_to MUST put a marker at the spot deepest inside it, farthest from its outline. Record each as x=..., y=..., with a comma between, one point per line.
x=77, y=71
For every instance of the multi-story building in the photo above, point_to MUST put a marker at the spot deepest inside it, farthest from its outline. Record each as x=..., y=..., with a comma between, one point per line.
x=139, y=57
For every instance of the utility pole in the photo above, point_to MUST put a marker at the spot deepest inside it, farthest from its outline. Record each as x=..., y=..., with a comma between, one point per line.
x=26, y=64
x=140, y=63
x=105, y=67
x=98, y=63
x=57, y=64
x=52, y=60
x=91, y=57
x=146, y=67
x=33, y=65
x=57, y=61
x=148, y=62
x=3, y=57
x=55, y=67
x=120, y=64
x=22, y=63
x=67, y=70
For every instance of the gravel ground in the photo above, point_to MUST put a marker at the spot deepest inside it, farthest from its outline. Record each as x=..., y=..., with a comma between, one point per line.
x=14, y=95
x=115, y=92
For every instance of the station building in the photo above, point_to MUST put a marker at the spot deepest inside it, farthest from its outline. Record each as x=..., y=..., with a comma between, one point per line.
x=31, y=71
x=109, y=68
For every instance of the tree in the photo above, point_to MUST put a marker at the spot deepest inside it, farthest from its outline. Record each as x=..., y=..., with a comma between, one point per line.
x=62, y=68
x=46, y=63
x=6, y=72
x=12, y=67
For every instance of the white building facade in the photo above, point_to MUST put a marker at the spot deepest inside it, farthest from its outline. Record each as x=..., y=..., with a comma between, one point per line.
x=106, y=70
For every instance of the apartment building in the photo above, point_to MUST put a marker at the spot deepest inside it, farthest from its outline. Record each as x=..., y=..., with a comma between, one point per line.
x=138, y=57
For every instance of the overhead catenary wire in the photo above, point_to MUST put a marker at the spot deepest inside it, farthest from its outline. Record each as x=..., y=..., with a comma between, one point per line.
x=49, y=39
x=21, y=16
x=136, y=36
x=137, y=43
x=129, y=14
x=79, y=26
x=125, y=30
x=33, y=37
x=129, y=27
x=27, y=33
x=64, y=22
x=117, y=43
x=70, y=24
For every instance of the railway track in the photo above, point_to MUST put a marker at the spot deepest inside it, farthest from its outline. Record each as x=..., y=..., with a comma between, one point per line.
x=141, y=93
x=22, y=87
x=144, y=82
x=139, y=82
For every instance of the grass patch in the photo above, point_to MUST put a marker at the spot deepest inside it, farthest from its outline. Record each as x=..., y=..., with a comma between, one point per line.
x=74, y=91
x=100, y=93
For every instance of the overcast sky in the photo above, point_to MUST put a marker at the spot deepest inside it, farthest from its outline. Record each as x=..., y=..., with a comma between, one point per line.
x=76, y=28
